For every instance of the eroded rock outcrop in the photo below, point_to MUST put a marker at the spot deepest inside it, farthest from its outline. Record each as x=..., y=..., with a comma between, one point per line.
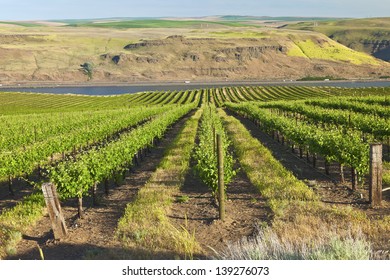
x=151, y=43
x=379, y=48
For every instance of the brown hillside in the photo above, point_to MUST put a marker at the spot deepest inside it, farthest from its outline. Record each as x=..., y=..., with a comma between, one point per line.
x=56, y=53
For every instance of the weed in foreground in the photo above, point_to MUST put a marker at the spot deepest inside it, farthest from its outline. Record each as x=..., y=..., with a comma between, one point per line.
x=267, y=245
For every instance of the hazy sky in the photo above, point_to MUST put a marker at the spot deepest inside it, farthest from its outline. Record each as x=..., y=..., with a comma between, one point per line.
x=74, y=9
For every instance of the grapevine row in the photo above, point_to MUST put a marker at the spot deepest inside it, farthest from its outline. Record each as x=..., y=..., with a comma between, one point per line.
x=76, y=178
x=378, y=127
x=345, y=147
x=358, y=107
x=206, y=154
x=25, y=160
x=24, y=130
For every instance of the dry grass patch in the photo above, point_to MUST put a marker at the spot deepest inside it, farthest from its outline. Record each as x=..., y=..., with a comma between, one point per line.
x=268, y=244
x=145, y=222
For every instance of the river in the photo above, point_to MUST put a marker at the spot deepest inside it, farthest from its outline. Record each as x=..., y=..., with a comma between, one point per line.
x=122, y=89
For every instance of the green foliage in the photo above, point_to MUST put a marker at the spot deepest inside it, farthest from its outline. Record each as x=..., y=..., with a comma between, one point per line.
x=328, y=117
x=75, y=178
x=337, y=144
x=16, y=220
x=31, y=140
x=312, y=78
x=87, y=68
x=182, y=199
x=206, y=155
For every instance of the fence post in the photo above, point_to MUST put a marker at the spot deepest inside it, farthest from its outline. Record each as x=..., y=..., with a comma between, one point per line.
x=221, y=181
x=375, y=174
x=214, y=140
x=54, y=208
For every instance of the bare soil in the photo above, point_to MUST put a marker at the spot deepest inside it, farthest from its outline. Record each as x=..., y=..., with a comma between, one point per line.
x=20, y=189
x=246, y=210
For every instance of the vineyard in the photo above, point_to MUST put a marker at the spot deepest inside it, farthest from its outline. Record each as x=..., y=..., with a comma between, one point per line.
x=143, y=168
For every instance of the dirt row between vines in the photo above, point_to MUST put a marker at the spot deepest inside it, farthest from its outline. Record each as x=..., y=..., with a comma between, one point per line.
x=246, y=212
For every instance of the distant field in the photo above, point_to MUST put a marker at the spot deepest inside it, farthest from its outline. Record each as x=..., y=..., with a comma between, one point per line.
x=20, y=23
x=156, y=23
x=335, y=24
x=249, y=18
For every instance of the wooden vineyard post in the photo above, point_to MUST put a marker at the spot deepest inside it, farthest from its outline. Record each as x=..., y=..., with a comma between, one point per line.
x=80, y=207
x=342, y=179
x=214, y=141
x=354, y=178
x=54, y=208
x=106, y=187
x=94, y=194
x=221, y=181
x=327, y=167
x=314, y=160
x=10, y=186
x=375, y=174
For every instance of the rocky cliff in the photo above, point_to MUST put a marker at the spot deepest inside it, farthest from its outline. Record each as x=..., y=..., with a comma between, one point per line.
x=178, y=57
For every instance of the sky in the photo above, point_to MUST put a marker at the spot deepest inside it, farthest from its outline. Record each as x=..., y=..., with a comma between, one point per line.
x=86, y=9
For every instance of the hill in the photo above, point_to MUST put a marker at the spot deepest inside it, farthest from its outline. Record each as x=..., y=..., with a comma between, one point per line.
x=128, y=50
x=369, y=35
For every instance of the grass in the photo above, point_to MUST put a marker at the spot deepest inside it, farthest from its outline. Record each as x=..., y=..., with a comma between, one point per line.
x=238, y=34
x=330, y=50
x=353, y=33
x=258, y=162
x=15, y=221
x=145, y=222
x=313, y=78
x=268, y=245
x=182, y=199
x=300, y=219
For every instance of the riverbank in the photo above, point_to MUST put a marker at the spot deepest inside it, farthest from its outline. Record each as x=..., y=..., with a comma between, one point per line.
x=110, y=88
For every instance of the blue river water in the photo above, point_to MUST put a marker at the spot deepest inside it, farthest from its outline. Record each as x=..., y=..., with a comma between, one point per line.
x=112, y=90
